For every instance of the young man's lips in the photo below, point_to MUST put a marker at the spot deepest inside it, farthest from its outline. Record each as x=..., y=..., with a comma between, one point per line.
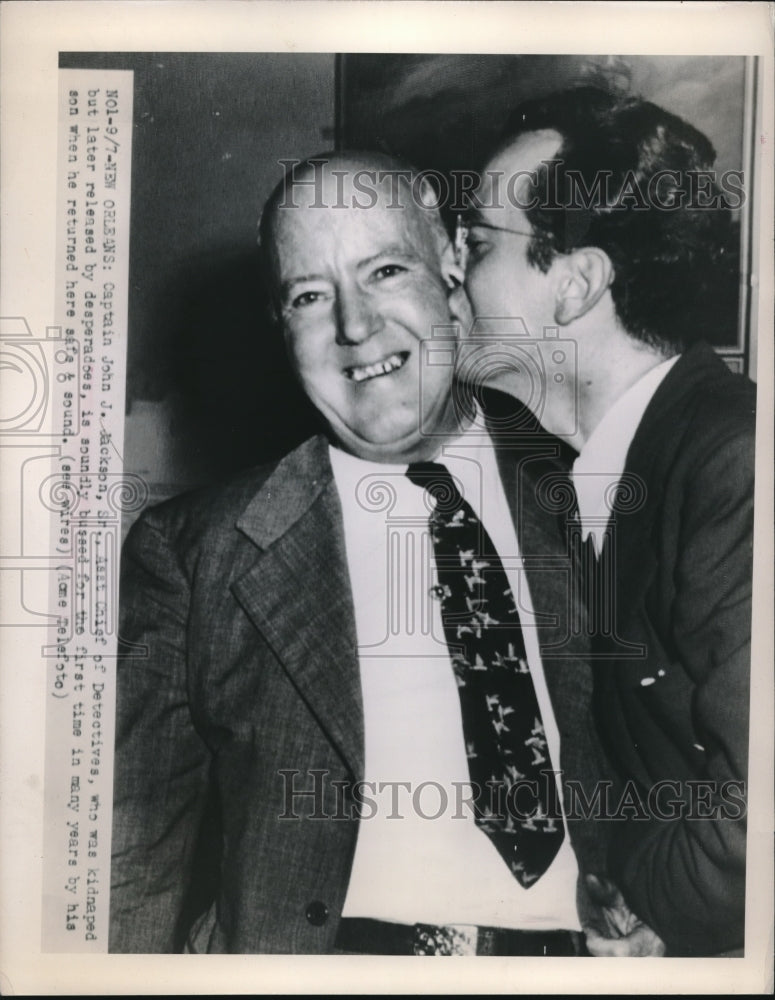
x=388, y=365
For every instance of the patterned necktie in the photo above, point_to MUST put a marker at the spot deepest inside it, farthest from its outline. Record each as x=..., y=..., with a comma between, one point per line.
x=504, y=735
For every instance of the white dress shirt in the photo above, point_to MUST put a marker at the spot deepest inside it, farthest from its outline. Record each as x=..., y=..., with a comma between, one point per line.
x=420, y=857
x=600, y=463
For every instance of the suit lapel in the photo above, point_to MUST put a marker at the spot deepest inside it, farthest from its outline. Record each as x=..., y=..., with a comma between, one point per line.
x=523, y=464
x=297, y=592
x=564, y=646
x=629, y=549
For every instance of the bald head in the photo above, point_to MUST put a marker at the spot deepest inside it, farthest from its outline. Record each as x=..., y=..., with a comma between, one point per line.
x=336, y=182
x=362, y=272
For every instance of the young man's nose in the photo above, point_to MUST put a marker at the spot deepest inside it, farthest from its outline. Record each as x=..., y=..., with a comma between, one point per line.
x=357, y=317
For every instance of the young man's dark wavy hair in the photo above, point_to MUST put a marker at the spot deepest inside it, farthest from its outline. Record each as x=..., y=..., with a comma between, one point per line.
x=628, y=179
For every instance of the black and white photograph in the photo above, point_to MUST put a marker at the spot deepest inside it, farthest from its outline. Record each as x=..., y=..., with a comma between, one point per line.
x=382, y=512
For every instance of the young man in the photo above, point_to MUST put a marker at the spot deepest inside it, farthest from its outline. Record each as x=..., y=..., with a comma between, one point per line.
x=597, y=258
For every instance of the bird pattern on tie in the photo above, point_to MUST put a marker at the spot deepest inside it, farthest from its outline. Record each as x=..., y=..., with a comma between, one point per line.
x=508, y=757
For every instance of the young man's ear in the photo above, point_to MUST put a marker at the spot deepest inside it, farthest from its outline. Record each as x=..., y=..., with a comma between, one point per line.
x=585, y=275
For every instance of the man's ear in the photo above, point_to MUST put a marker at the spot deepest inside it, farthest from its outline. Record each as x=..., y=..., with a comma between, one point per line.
x=459, y=307
x=452, y=272
x=585, y=275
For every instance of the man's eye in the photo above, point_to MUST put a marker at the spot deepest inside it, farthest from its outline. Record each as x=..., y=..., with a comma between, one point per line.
x=306, y=299
x=388, y=271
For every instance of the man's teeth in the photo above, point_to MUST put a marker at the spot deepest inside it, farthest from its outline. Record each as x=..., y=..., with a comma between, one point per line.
x=391, y=364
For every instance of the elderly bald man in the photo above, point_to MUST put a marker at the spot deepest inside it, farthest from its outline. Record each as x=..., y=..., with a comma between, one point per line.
x=304, y=750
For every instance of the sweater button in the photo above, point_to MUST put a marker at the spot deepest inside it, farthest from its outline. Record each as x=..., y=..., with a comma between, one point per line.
x=317, y=913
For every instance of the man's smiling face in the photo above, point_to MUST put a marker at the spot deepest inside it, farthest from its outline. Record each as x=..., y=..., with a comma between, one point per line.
x=359, y=289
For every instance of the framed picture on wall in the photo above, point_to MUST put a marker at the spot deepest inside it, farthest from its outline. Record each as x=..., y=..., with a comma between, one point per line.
x=441, y=112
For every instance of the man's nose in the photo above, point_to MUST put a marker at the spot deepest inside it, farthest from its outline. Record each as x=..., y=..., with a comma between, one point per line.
x=357, y=317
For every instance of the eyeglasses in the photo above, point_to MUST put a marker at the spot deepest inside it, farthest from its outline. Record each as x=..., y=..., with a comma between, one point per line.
x=463, y=228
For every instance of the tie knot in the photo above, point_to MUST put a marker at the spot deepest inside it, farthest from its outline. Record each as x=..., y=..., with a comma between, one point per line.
x=436, y=479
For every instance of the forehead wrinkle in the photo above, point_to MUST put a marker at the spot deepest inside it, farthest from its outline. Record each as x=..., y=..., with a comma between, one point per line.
x=300, y=279
x=403, y=251
x=391, y=250
x=414, y=237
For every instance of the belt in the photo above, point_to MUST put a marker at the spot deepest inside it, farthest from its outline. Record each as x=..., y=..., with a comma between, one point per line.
x=380, y=937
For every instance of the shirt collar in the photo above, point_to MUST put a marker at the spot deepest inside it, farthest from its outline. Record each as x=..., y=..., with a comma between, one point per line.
x=607, y=446
x=350, y=467
x=601, y=462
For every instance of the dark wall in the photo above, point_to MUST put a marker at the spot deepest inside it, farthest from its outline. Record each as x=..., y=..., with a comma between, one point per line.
x=209, y=389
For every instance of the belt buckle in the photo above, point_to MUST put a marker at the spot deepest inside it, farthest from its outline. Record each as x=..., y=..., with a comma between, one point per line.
x=451, y=939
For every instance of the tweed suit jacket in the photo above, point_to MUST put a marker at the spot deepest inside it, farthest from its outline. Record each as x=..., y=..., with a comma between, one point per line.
x=678, y=710
x=240, y=678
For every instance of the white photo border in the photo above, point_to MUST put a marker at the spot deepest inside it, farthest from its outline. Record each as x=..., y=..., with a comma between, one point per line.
x=32, y=37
